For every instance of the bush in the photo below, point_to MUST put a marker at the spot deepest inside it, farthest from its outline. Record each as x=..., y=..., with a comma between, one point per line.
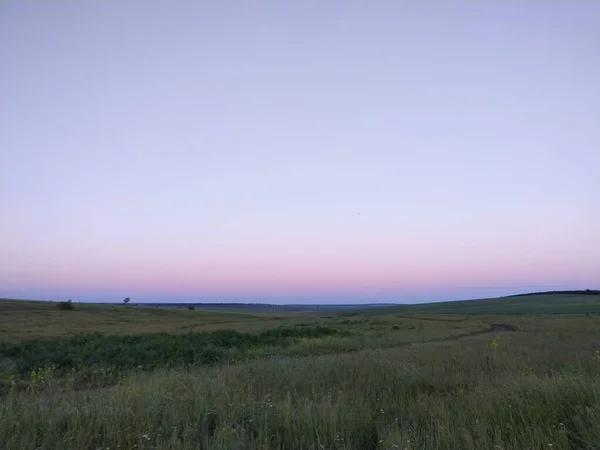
x=65, y=306
x=191, y=307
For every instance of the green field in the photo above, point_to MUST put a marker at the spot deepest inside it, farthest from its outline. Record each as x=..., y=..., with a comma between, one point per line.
x=510, y=373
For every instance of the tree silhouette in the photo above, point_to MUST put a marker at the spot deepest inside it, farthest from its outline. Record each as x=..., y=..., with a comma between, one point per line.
x=126, y=300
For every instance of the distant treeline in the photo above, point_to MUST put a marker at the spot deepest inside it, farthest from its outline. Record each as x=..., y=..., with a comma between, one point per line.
x=249, y=307
x=576, y=292
x=228, y=305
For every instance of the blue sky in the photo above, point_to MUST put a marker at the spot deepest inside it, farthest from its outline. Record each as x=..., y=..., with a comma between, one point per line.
x=298, y=151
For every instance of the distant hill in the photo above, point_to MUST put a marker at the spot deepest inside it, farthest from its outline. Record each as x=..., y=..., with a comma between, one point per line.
x=554, y=302
x=579, y=292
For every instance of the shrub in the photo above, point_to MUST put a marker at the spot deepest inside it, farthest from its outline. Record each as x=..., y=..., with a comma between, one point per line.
x=65, y=306
x=191, y=307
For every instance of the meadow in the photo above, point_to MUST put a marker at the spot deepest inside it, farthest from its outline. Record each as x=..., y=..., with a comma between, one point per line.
x=512, y=373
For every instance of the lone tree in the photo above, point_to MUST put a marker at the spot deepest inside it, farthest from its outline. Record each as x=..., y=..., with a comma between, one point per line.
x=126, y=300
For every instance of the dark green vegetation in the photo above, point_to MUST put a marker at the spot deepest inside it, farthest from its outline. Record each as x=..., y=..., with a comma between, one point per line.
x=150, y=351
x=427, y=377
x=65, y=306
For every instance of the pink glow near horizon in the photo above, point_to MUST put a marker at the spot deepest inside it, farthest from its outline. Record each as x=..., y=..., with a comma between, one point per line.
x=330, y=276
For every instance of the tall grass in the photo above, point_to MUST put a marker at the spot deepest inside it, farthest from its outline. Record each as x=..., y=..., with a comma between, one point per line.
x=522, y=393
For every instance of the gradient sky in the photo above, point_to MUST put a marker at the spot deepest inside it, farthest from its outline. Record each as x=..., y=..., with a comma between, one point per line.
x=312, y=151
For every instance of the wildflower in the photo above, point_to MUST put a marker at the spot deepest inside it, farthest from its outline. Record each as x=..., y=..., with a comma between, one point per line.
x=495, y=343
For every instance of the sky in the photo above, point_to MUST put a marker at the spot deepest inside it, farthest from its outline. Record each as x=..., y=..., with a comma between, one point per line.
x=298, y=152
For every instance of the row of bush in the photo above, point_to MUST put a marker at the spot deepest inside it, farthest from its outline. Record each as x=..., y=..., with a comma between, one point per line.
x=148, y=351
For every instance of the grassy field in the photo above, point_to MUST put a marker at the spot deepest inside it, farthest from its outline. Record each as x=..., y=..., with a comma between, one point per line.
x=438, y=376
x=26, y=320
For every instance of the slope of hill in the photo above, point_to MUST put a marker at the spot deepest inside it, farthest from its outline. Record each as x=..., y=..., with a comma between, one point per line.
x=575, y=292
x=566, y=302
